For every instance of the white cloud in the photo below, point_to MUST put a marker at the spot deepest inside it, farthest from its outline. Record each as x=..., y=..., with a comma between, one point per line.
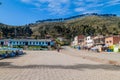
x=113, y=2
x=93, y=5
x=53, y=6
x=86, y=6
x=26, y=1
x=91, y=11
x=64, y=6
x=80, y=9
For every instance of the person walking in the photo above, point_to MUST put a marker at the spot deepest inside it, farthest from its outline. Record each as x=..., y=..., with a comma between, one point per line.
x=58, y=47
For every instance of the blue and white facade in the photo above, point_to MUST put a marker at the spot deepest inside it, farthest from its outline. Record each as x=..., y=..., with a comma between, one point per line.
x=27, y=42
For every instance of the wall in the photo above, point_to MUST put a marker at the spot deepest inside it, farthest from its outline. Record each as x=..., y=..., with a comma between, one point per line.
x=109, y=41
x=116, y=40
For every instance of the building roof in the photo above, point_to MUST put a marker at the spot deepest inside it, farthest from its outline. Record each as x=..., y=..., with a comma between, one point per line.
x=81, y=36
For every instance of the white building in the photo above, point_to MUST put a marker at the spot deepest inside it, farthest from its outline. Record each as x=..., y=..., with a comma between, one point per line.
x=75, y=42
x=27, y=42
x=89, y=41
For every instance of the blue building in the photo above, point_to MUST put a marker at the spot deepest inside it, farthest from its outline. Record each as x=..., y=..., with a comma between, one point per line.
x=27, y=42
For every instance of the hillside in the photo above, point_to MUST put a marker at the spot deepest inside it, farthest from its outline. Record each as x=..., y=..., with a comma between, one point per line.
x=87, y=25
x=90, y=24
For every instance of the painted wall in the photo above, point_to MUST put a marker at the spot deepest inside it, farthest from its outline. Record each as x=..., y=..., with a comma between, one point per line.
x=27, y=42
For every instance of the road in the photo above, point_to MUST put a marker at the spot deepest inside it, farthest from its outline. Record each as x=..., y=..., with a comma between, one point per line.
x=51, y=65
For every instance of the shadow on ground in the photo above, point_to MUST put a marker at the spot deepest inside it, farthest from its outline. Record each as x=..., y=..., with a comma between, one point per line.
x=14, y=57
x=74, y=67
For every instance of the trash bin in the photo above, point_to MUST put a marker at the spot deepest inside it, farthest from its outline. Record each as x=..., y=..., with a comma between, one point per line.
x=108, y=50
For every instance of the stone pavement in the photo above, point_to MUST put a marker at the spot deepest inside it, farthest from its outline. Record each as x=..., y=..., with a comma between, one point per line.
x=104, y=57
x=51, y=65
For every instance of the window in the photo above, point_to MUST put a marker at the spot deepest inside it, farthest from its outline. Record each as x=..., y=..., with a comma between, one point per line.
x=10, y=42
x=48, y=43
x=39, y=42
x=110, y=41
x=42, y=42
x=36, y=42
x=107, y=42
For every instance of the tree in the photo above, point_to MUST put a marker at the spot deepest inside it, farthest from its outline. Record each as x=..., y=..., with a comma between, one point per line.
x=1, y=34
x=118, y=24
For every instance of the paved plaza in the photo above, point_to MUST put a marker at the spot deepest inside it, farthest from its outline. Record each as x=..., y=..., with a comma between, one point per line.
x=103, y=57
x=51, y=65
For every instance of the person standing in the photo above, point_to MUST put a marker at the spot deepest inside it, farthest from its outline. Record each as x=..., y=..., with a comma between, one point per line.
x=58, y=47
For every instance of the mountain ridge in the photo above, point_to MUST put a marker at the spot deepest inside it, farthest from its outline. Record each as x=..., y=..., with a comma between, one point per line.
x=87, y=24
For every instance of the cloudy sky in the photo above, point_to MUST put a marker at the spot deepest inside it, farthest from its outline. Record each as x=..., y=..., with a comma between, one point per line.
x=21, y=12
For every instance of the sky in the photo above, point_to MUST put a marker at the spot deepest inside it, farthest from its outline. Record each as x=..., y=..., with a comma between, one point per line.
x=21, y=12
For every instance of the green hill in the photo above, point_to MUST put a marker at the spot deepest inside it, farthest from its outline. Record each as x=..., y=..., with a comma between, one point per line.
x=106, y=24
x=87, y=25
